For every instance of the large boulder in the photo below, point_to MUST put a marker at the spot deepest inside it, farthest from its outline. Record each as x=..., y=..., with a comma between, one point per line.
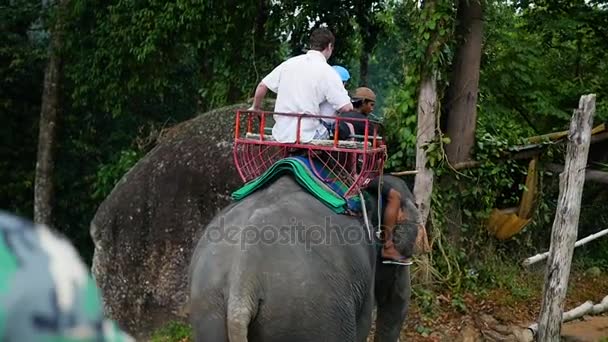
x=145, y=230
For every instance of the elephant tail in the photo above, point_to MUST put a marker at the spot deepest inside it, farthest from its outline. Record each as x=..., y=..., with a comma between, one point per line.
x=242, y=308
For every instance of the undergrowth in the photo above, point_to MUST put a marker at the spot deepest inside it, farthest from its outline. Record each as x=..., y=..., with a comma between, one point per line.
x=466, y=258
x=172, y=332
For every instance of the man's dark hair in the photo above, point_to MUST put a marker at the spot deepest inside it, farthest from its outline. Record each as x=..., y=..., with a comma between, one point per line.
x=358, y=103
x=320, y=38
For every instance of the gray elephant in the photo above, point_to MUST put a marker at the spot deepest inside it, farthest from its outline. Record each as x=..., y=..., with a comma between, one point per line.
x=281, y=266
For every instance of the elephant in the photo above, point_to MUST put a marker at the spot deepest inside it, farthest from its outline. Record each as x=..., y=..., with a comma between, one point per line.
x=260, y=273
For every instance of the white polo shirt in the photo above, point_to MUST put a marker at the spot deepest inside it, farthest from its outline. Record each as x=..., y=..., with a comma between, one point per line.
x=302, y=83
x=326, y=109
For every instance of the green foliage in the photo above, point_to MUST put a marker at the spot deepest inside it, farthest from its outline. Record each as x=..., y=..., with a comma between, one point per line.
x=22, y=56
x=338, y=16
x=514, y=81
x=148, y=61
x=172, y=332
x=537, y=61
x=108, y=174
x=593, y=218
x=537, y=64
x=129, y=66
x=426, y=300
x=423, y=331
x=403, y=132
x=458, y=303
x=500, y=272
x=481, y=188
x=496, y=183
x=427, y=51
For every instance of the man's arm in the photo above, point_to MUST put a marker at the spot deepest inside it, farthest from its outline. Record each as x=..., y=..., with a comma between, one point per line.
x=271, y=81
x=260, y=93
x=336, y=94
x=346, y=108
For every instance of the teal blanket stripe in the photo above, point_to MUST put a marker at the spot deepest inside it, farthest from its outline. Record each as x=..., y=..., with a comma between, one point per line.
x=303, y=175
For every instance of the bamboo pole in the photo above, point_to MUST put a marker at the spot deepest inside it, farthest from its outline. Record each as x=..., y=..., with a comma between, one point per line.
x=563, y=234
x=404, y=173
x=558, y=135
x=584, y=309
x=541, y=256
x=600, y=133
x=590, y=175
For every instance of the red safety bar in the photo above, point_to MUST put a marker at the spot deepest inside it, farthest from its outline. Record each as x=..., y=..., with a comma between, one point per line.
x=353, y=162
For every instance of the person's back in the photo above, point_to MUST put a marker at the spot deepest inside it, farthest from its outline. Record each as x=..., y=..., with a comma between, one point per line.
x=326, y=108
x=302, y=83
x=359, y=126
x=303, y=86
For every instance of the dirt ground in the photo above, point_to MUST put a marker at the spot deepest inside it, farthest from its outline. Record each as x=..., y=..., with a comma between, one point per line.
x=499, y=309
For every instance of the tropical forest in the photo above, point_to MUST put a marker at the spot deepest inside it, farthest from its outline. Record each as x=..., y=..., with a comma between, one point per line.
x=119, y=134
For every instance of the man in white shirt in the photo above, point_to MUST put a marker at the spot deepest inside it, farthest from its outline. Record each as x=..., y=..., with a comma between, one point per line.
x=302, y=83
x=326, y=108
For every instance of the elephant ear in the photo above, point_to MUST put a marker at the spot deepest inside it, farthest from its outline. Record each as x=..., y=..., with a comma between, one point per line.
x=422, y=245
x=409, y=232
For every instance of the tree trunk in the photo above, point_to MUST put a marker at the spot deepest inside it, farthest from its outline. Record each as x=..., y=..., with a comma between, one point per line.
x=565, y=226
x=368, y=30
x=45, y=163
x=423, y=183
x=462, y=101
x=427, y=111
x=426, y=123
x=363, y=67
x=462, y=95
x=425, y=133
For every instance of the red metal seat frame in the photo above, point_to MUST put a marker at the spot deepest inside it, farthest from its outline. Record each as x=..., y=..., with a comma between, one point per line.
x=354, y=164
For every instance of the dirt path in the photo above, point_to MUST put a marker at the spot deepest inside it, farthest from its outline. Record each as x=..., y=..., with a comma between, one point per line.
x=494, y=315
x=592, y=329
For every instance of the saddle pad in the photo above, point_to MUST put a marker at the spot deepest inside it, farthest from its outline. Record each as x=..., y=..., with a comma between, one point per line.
x=329, y=193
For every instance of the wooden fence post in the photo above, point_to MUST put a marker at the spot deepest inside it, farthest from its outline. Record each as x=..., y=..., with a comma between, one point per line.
x=565, y=226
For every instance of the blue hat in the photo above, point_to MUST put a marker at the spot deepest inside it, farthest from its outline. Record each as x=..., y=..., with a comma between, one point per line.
x=344, y=75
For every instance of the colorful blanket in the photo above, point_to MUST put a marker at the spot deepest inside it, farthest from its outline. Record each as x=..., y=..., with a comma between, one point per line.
x=329, y=193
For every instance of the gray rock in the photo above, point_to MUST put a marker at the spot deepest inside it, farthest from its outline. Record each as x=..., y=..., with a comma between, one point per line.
x=469, y=334
x=523, y=334
x=503, y=329
x=493, y=336
x=145, y=230
x=488, y=320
